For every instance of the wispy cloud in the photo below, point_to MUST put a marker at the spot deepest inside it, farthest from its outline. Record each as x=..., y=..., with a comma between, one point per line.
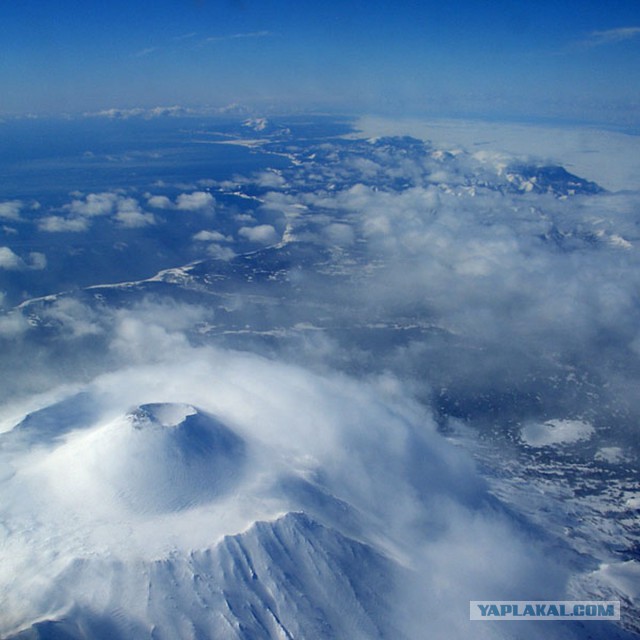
x=185, y=36
x=610, y=36
x=238, y=36
x=145, y=52
x=188, y=40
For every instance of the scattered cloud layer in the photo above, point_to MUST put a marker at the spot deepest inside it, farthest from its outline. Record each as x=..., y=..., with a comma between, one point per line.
x=80, y=212
x=140, y=112
x=196, y=201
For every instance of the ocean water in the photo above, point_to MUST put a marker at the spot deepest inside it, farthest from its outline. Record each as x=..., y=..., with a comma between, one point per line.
x=49, y=164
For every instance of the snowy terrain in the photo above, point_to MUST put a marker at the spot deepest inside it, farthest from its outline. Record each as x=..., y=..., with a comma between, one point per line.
x=343, y=392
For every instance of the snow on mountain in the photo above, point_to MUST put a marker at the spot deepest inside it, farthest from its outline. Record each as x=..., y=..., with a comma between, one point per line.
x=159, y=457
x=290, y=578
x=264, y=501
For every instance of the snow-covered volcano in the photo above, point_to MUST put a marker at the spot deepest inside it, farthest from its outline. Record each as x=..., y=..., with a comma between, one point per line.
x=266, y=502
x=158, y=457
x=213, y=518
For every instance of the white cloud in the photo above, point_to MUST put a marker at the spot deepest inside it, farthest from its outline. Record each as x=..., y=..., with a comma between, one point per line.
x=160, y=202
x=220, y=253
x=211, y=236
x=153, y=112
x=244, y=217
x=13, y=262
x=611, y=158
x=173, y=111
x=262, y=233
x=38, y=261
x=9, y=260
x=134, y=218
x=130, y=215
x=95, y=204
x=196, y=201
x=270, y=180
x=114, y=113
x=74, y=319
x=59, y=224
x=125, y=211
x=339, y=234
x=10, y=210
x=12, y=325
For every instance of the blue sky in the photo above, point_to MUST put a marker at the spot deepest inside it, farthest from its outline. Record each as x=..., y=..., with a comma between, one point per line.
x=569, y=59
